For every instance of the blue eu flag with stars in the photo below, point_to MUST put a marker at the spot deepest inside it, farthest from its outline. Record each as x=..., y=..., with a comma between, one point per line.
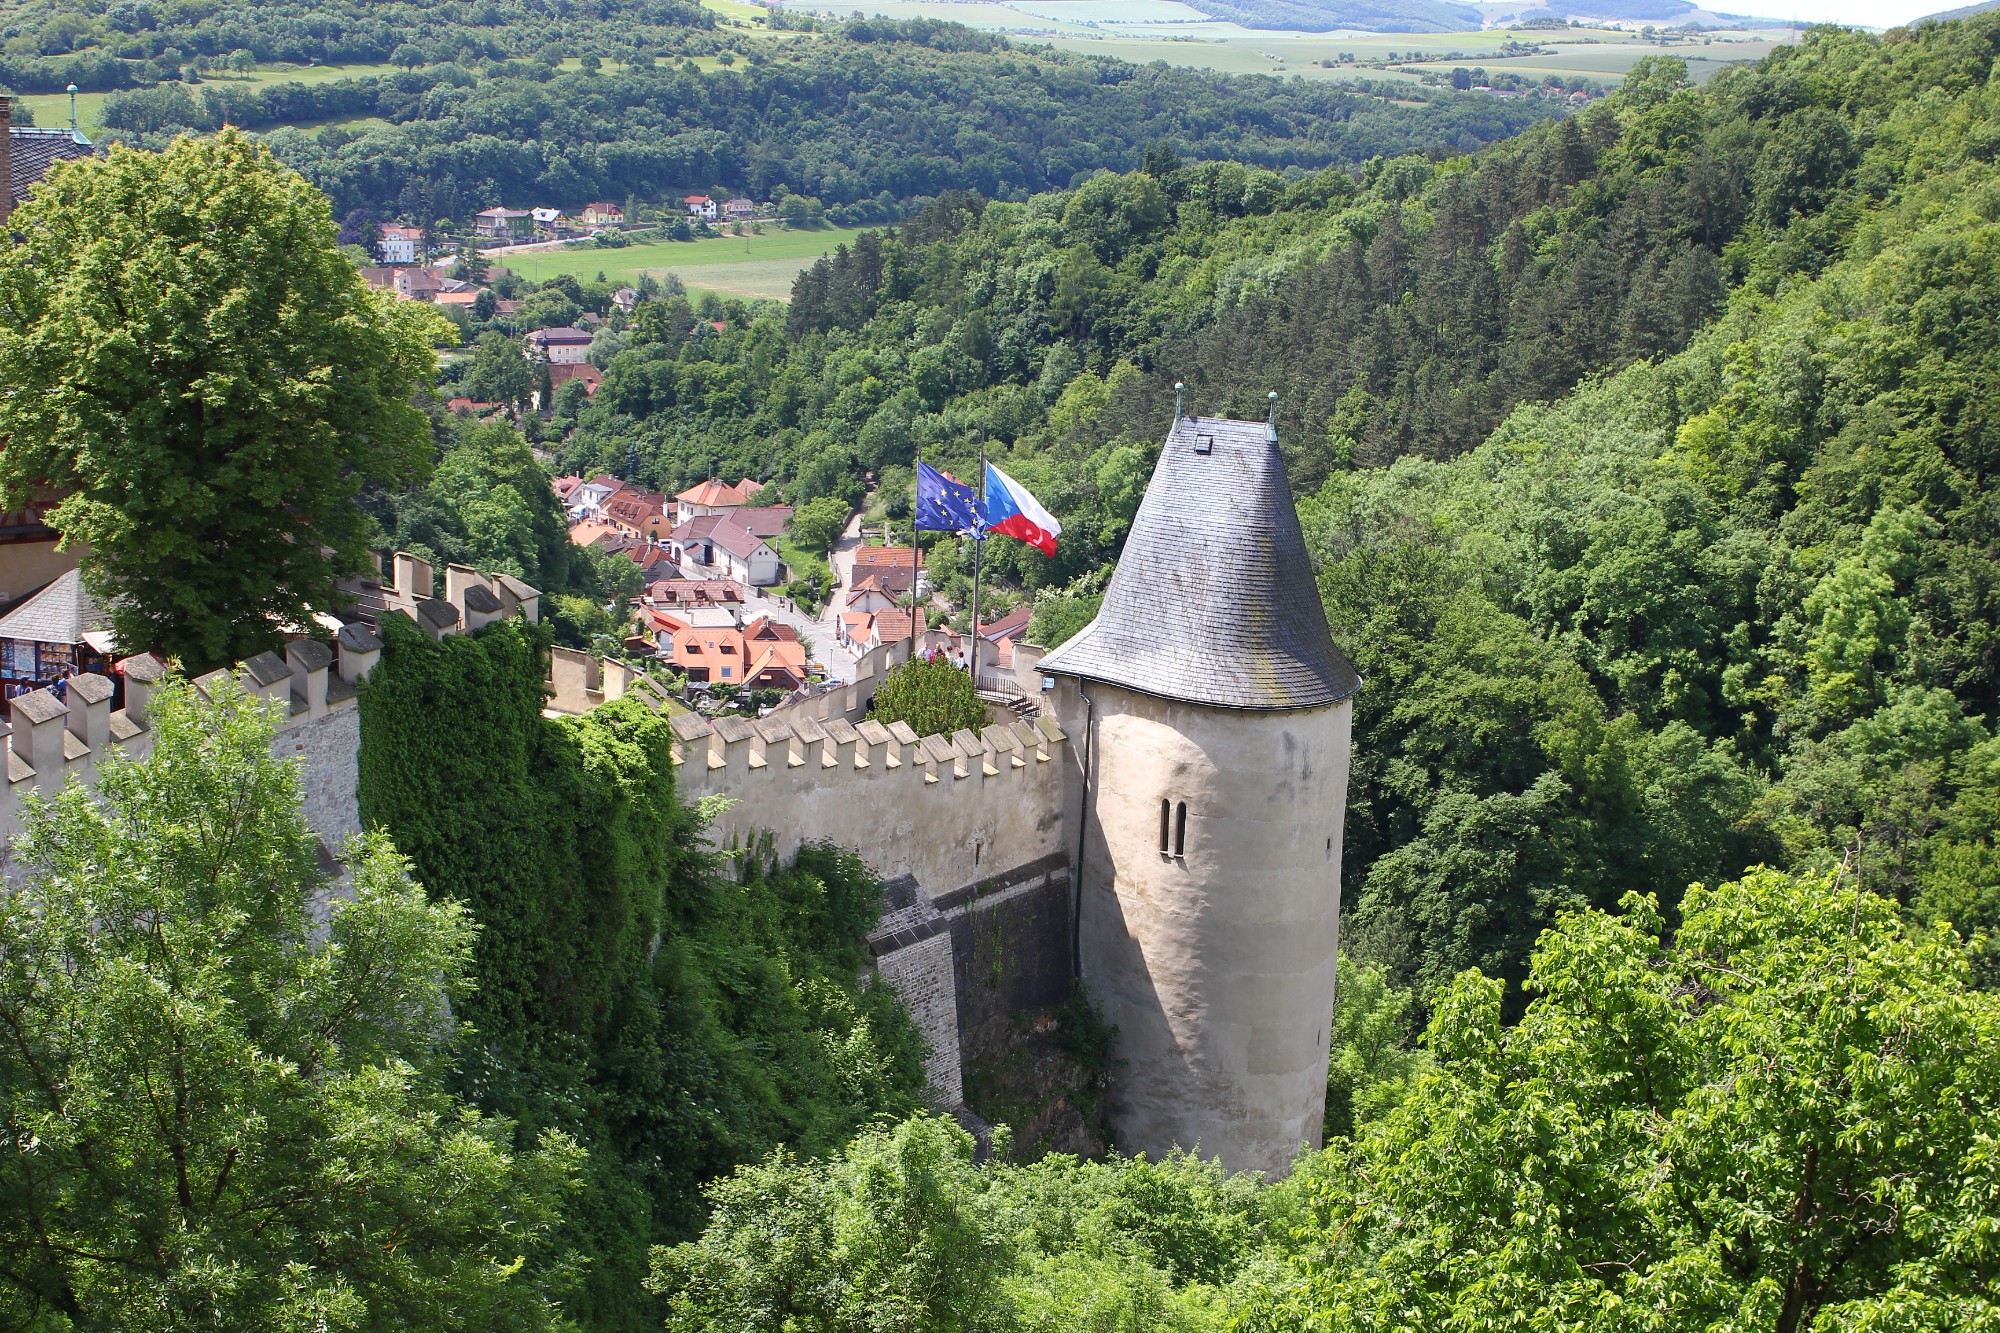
x=945, y=504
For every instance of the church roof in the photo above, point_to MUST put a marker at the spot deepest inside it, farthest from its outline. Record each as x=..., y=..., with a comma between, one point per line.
x=1213, y=600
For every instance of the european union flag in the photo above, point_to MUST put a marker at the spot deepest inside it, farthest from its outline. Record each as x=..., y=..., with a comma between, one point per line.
x=945, y=505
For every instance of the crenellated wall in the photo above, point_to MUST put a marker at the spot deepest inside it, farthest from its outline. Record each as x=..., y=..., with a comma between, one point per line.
x=49, y=740
x=949, y=811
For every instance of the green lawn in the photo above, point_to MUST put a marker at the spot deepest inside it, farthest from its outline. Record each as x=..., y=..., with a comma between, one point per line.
x=52, y=109
x=729, y=265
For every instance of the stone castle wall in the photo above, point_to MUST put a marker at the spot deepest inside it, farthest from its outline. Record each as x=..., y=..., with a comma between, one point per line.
x=949, y=811
x=312, y=687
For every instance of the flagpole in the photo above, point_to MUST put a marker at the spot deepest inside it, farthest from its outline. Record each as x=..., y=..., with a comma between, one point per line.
x=978, y=549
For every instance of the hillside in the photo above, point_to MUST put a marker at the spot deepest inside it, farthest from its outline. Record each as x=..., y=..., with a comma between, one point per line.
x=1546, y=723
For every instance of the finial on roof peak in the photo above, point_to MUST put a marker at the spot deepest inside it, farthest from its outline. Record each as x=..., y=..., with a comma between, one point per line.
x=1178, y=387
x=1271, y=420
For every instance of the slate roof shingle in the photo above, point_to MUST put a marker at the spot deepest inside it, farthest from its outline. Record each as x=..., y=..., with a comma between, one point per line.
x=1241, y=626
x=35, y=151
x=60, y=613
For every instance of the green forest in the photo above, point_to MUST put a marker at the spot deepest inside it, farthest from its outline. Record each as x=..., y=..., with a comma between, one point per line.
x=1646, y=458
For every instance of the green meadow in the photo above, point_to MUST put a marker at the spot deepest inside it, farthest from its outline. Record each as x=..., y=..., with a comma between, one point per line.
x=745, y=266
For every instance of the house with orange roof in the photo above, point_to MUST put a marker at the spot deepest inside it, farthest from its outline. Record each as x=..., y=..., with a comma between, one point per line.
x=637, y=513
x=895, y=567
x=701, y=206
x=714, y=497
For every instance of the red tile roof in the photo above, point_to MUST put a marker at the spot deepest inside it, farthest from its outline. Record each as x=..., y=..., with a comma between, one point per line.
x=718, y=495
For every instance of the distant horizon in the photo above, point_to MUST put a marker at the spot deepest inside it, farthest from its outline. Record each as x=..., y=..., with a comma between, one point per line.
x=1856, y=13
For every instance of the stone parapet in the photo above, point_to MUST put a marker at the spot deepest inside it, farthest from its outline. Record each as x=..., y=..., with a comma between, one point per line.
x=948, y=810
x=314, y=686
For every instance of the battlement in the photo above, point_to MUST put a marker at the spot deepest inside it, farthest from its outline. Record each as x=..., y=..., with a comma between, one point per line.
x=50, y=740
x=948, y=810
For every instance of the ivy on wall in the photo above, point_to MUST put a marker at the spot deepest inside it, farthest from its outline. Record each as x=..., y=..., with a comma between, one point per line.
x=678, y=1011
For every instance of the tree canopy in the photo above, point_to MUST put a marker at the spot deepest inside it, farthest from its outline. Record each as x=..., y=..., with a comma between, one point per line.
x=933, y=696
x=223, y=1078
x=197, y=370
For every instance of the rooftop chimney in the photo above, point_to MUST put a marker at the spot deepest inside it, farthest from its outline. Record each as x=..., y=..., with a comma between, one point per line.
x=6, y=156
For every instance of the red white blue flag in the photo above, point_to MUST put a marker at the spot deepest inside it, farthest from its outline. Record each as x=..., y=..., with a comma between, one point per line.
x=1012, y=512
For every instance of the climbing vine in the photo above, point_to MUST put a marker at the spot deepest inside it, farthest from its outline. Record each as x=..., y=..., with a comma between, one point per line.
x=677, y=1011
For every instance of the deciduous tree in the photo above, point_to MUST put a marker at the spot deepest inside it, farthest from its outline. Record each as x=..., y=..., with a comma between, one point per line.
x=191, y=362
x=222, y=1081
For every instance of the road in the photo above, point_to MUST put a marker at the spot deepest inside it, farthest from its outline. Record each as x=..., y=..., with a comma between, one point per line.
x=823, y=631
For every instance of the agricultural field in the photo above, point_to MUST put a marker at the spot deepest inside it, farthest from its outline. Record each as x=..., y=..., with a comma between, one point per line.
x=1146, y=30
x=742, y=266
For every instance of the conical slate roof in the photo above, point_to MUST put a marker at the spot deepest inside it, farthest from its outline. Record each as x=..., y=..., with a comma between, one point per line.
x=1213, y=601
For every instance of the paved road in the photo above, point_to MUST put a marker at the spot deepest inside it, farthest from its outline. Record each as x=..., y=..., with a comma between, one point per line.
x=823, y=631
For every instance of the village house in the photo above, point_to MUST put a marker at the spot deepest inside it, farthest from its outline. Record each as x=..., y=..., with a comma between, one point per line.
x=681, y=595
x=862, y=630
x=552, y=221
x=722, y=542
x=562, y=374
x=895, y=568
x=586, y=498
x=602, y=215
x=398, y=244
x=53, y=635
x=27, y=154
x=559, y=347
x=739, y=209
x=761, y=655
x=638, y=513
x=868, y=593
x=700, y=206
x=714, y=497
x=626, y=299
x=416, y=284
x=656, y=560
x=507, y=223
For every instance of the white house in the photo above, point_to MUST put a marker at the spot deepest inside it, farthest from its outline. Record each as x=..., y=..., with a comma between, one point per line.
x=560, y=347
x=700, y=206
x=713, y=497
x=721, y=542
x=398, y=245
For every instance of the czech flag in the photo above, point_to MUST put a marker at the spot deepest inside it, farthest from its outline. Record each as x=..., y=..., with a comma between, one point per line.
x=1012, y=512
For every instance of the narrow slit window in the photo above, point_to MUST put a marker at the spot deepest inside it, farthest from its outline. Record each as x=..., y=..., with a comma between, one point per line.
x=1166, y=815
x=1180, y=829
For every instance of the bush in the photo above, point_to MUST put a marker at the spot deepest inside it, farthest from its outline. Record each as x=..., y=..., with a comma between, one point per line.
x=933, y=696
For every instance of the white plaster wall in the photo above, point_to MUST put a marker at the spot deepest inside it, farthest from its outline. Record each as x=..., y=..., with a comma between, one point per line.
x=1216, y=967
x=925, y=978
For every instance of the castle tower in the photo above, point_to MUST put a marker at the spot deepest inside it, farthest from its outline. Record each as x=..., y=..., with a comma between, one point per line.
x=1209, y=715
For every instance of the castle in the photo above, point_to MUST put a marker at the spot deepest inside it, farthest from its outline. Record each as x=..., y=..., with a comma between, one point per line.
x=1166, y=830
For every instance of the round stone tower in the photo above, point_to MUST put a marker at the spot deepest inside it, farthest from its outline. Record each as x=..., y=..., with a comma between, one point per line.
x=1209, y=714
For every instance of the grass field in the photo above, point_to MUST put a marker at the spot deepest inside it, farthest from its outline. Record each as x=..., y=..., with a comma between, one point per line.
x=729, y=265
x=1168, y=30
x=52, y=109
